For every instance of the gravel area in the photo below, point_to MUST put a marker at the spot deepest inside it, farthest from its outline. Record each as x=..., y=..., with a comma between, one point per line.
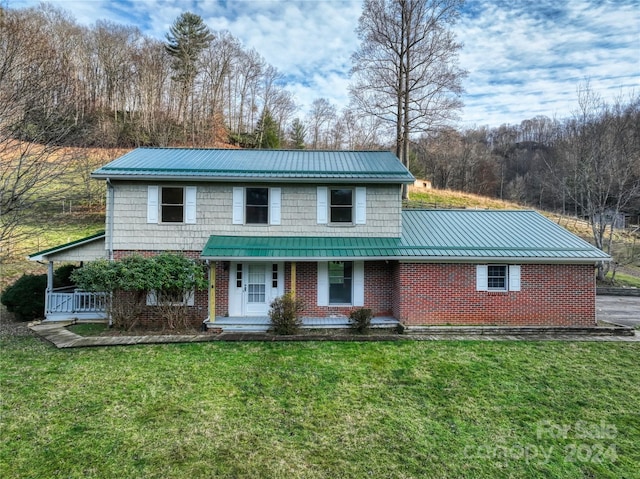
x=11, y=328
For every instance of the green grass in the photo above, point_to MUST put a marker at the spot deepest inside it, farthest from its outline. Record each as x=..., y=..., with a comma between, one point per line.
x=88, y=329
x=320, y=410
x=456, y=199
x=623, y=279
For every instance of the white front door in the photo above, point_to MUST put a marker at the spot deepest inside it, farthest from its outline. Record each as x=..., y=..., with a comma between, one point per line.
x=253, y=286
x=255, y=297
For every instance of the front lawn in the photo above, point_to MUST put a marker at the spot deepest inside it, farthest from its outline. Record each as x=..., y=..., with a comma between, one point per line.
x=320, y=410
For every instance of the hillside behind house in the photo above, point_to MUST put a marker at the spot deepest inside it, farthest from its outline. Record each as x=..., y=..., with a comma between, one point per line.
x=79, y=212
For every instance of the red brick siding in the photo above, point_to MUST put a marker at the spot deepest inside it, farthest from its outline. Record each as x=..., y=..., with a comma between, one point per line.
x=222, y=288
x=431, y=294
x=558, y=295
x=198, y=312
x=377, y=287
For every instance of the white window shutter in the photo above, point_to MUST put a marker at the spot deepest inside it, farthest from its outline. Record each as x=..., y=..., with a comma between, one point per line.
x=238, y=205
x=275, y=200
x=514, y=277
x=361, y=205
x=358, y=283
x=190, y=193
x=482, y=277
x=190, y=298
x=152, y=298
x=322, y=205
x=152, y=204
x=323, y=283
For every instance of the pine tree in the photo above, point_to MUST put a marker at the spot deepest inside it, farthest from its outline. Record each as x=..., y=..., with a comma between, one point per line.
x=187, y=38
x=297, y=134
x=267, y=132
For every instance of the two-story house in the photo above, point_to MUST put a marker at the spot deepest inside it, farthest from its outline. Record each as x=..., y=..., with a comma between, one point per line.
x=329, y=227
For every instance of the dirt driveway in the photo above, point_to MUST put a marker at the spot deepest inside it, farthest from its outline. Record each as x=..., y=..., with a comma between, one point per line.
x=624, y=310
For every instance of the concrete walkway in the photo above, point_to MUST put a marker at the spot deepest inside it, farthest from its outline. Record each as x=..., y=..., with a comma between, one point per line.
x=62, y=338
x=621, y=310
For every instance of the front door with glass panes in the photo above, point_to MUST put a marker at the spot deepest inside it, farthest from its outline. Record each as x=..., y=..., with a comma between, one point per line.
x=254, y=292
x=253, y=287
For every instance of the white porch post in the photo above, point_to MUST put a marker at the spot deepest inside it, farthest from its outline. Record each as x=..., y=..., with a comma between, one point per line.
x=49, y=287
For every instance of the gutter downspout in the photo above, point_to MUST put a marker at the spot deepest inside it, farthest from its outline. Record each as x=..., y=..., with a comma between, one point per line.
x=109, y=228
x=110, y=202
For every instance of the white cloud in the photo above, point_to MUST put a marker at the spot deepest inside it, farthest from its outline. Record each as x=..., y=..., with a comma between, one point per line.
x=524, y=58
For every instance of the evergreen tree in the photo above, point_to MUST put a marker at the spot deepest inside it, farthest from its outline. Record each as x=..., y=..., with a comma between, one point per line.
x=297, y=134
x=267, y=132
x=187, y=38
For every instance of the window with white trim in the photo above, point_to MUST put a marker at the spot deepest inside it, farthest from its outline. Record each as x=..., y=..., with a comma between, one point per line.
x=171, y=299
x=171, y=204
x=340, y=282
x=256, y=205
x=498, y=277
x=341, y=205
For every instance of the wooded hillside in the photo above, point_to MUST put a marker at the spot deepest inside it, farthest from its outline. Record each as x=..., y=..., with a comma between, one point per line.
x=111, y=86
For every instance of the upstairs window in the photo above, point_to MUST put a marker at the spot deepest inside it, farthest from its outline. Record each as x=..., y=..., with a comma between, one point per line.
x=172, y=205
x=257, y=206
x=341, y=207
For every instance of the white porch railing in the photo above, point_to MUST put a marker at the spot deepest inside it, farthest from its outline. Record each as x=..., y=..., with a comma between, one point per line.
x=75, y=302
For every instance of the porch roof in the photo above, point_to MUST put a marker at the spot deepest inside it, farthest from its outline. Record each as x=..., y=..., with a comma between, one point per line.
x=427, y=235
x=45, y=254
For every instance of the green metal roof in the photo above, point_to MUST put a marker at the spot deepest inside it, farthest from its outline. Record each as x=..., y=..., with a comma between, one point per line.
x=39, y=256
x=297, y=247
x=428, y=235
x=491, y=234
x=258, y=165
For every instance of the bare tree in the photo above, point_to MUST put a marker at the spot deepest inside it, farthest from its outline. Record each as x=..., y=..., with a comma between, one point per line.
x=405, y=71
x=31, y=125
x=320, y=118
x=602, y=153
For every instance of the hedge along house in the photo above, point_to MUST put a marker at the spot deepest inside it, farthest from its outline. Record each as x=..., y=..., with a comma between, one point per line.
x=328, y=226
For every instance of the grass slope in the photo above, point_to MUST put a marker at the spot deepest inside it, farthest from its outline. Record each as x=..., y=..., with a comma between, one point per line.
x=320, y=410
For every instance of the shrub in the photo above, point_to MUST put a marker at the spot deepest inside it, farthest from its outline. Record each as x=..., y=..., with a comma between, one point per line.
x=62, y=275
x=170, y=277
x=285, y=314
x=360, y=319
x=25, y=297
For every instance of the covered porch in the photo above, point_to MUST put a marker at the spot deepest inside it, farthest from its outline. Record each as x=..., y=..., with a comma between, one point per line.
x=70, y=303
x=331, y=276
x=63, y=304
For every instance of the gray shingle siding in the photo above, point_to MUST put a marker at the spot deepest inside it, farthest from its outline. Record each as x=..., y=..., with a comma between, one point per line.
x=214, y=216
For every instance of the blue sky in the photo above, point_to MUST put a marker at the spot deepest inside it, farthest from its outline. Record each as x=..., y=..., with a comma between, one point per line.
x=525, y=57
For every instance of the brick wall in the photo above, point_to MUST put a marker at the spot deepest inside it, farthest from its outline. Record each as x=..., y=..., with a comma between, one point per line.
x=432, y=294
x=377, y=287
x=222, y=288
x=150, y=317
x=551, y=295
